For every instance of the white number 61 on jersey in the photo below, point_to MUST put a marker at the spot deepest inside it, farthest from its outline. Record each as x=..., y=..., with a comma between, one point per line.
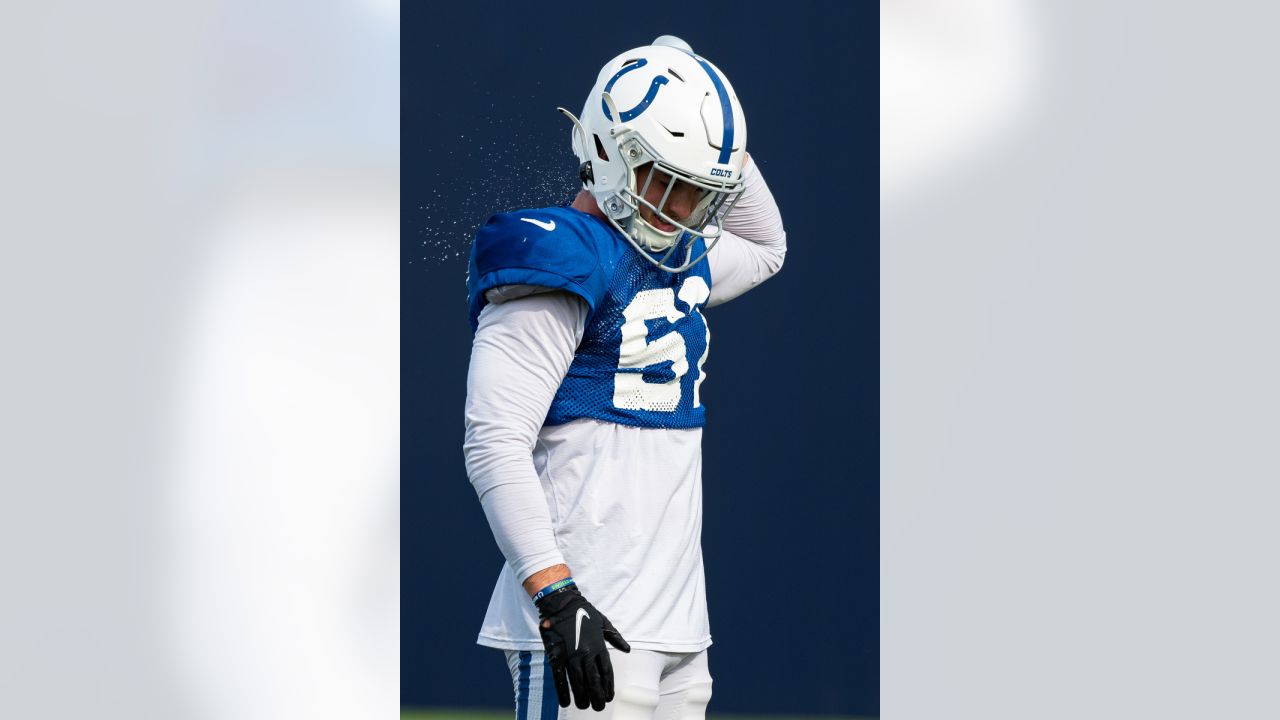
x=630, y=391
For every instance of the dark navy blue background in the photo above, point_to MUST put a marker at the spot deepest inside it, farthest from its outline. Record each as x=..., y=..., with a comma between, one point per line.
x=791, y=491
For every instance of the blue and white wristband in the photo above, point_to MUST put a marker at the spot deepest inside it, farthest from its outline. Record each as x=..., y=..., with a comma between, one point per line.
x=553, y=587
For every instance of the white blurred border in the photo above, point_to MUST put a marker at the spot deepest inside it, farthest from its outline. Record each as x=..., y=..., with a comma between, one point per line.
x=1078, y=360
x=200, y=301
x=953, y=76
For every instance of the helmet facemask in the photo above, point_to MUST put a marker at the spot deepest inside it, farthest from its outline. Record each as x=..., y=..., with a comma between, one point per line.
x=648, y=172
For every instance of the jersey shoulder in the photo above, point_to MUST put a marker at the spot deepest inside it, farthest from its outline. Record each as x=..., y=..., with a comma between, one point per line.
x=558, y=247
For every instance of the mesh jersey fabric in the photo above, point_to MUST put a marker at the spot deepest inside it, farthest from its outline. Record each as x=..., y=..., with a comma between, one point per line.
x=641, y=359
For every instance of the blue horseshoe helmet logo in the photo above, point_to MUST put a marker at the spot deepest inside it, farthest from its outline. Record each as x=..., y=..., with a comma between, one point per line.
x=627, y=115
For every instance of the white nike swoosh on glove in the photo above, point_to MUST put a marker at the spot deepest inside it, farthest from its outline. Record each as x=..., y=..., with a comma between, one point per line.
x=577, y=630
x=544, y=225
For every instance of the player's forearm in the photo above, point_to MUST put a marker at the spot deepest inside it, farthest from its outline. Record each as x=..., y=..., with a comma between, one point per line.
x=754, y=244
x=756, y=217
x=521, y=524
x=503, y=475
x=545, y=577
x=521, y=352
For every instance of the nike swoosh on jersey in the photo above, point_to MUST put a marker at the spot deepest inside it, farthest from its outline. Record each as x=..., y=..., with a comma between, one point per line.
x=551, y=225
x=582, y=614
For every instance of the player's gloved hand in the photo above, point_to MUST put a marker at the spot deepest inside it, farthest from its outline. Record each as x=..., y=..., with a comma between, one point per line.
x=574, y=634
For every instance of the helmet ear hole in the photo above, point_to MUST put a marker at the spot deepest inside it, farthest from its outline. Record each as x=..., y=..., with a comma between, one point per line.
x=600, y=149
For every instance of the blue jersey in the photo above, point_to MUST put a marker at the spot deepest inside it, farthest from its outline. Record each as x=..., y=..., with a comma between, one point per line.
x=645, y=340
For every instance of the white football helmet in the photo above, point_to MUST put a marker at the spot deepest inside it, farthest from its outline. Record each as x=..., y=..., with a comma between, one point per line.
x=662, y=104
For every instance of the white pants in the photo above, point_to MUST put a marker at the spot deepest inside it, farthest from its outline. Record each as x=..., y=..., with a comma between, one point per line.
x=648, y=685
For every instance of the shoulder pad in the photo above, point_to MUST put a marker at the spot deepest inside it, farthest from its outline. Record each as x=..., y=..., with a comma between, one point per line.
x=558, y=248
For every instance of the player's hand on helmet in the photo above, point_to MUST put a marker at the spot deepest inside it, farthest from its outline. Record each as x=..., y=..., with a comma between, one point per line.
x=574, y=634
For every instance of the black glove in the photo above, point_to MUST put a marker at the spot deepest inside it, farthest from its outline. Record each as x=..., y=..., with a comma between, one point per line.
x=574, y=634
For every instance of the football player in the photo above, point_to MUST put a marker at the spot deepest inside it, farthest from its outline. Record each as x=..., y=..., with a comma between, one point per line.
x=583, y=416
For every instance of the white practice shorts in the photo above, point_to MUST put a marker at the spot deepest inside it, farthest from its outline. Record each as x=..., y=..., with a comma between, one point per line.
x=647, y=685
